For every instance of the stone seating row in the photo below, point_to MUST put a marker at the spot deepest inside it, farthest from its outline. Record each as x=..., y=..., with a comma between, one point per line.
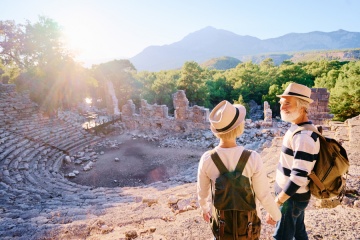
x=40, y=176
x=32, y=149
x=13, y=145
x=51, y=132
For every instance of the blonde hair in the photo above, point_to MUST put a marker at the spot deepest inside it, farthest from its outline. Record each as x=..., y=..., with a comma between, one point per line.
x=236, y=132
x=300, y=103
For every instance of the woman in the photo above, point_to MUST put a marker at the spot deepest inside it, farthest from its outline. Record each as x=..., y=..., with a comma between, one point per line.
x=227, y=123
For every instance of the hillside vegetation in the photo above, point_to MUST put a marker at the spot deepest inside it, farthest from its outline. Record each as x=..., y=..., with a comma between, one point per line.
x=221, y=63
x=278, y=58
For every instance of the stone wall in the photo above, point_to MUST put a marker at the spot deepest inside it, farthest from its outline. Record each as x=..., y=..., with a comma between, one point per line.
x=128, y=109
x=149, y=111
x=354, y=131
x=187, y=118
x=195, y=114
x=155, y=117
x=319, y=110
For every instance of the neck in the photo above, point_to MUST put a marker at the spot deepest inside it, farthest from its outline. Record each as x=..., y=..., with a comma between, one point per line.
x=301, y=119
x=227, y=143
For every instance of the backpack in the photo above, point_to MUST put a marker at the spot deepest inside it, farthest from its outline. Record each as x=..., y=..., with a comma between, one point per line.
x=234, y=210
x=327, y=177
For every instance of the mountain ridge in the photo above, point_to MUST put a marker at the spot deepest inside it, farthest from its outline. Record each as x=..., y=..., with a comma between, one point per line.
x=209, y=42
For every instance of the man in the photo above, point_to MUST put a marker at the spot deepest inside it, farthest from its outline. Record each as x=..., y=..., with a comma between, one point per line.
x=297, y=158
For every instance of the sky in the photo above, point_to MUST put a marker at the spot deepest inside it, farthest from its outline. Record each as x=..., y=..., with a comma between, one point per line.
x=102, y=30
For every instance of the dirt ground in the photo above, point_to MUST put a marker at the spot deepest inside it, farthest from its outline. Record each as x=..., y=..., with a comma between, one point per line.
x=140, y=162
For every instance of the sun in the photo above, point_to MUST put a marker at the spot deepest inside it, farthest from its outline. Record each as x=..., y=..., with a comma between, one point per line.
x=88, y=100
x=84, y=37
x=93, y=39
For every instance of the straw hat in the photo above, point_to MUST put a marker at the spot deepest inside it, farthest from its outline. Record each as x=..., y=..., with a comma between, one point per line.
x=297, y=90
x=226, y=117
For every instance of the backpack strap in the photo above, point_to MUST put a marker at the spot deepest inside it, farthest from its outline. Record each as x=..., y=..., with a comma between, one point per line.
x=309, y=127
x=219, y=164
x=240, y=165
x=319, y=184
x=249, y=225
x=312, y=175
x=243, y=160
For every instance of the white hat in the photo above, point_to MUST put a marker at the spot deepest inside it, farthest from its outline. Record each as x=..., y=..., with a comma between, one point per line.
x=297, y=90
x=226, y=117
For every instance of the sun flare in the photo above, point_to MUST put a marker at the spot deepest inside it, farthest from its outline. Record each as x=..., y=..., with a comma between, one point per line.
x=88, y=100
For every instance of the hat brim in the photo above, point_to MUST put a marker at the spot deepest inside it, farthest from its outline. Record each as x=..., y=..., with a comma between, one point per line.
x=241, y=118
x=303, y=98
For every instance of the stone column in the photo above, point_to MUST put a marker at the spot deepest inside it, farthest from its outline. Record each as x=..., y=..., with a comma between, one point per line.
x=128, y=109
x=267, y=114
x=319, y=111
x=181, y=104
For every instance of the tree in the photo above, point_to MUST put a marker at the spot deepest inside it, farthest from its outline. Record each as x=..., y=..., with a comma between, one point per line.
x=28, y=45
x=345, y=96
x=267, y=64
x=12, y=38
x=327, y=80
x=249, y=81
x=43, y=43
x=164, y=86
x=219, y=89
x=293, y=73
x=120, y=73
x=146, y=80
x=36, y=60
x=318, y=69
x=246, y=105
x=192, y=80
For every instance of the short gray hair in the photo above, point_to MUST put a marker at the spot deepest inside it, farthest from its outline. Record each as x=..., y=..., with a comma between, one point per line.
x=300, y=103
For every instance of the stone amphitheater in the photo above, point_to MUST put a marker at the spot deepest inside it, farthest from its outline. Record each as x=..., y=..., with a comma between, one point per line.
x=37, y=200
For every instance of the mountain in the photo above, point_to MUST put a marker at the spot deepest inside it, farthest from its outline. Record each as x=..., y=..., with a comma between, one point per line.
x=210, y=42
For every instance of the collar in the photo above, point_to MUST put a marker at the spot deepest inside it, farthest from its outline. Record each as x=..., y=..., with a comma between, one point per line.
x=303, y=123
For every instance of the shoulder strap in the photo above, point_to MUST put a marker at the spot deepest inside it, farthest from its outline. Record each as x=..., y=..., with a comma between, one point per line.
x=312, y=175
x=240, y=165
x=243, y=160
x=219, y=164
x=309, y=127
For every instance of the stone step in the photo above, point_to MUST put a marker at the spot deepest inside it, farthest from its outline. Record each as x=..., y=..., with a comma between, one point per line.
x=7, y=152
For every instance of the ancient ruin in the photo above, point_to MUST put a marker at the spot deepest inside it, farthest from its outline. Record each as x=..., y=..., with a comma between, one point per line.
x=187, y=118
x=319, y=110
x=267, y=114
x=155, y=117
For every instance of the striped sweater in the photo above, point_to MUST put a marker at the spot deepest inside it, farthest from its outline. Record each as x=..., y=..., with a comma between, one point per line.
x=297, y=159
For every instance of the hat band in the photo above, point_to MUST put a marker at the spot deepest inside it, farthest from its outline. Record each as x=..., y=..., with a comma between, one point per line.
x=297, y=94
x=232, y=122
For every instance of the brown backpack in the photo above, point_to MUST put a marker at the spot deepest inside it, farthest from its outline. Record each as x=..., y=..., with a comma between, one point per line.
x=234, y=211
x=327, y=178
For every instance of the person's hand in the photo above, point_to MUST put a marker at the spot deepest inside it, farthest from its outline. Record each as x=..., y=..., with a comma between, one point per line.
x=269, y=219
x=207, y=217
